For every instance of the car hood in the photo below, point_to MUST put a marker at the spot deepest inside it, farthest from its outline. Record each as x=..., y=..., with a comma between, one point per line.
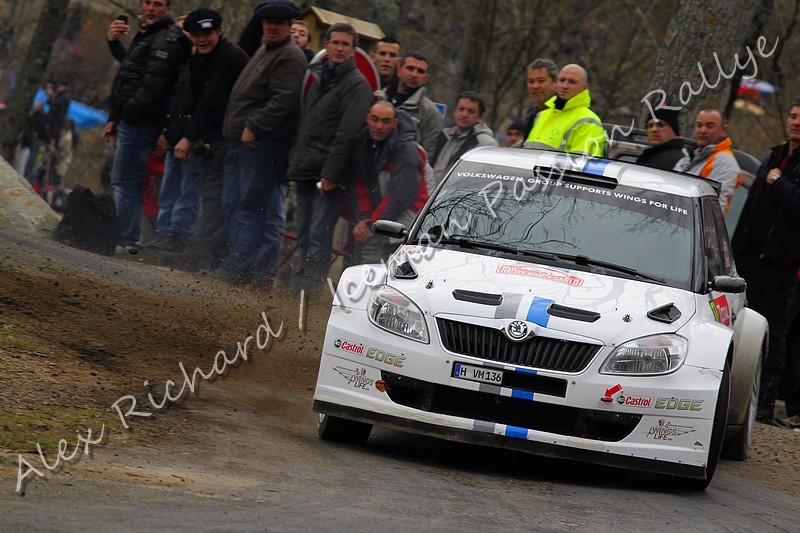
x=608, y=309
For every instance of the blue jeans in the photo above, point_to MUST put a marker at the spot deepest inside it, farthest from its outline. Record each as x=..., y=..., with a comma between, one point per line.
x=252, y=177
x=134, y=145
x=179, y=198
x=316, y=220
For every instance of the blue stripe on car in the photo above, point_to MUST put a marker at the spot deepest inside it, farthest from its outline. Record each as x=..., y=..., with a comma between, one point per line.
x=537, y=312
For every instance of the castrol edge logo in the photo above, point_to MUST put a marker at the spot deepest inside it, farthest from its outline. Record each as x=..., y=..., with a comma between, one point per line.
x=635, y=401
x=347, y=346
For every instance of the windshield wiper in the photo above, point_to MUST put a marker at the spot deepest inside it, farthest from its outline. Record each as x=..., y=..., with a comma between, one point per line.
x=580, y=259
x=465, y=242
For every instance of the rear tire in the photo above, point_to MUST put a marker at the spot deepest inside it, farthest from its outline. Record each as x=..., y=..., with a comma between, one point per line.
x=717, y=438
x=337, y=429
x=737, y=446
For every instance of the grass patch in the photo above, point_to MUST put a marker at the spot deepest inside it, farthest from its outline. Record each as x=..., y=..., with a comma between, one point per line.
x=21, y=431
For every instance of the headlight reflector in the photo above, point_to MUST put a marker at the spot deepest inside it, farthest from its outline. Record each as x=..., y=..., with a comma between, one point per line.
x=653, y=355
x=389, y=309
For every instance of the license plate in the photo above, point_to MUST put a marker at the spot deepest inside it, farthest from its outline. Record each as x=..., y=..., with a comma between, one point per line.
x=478, y=373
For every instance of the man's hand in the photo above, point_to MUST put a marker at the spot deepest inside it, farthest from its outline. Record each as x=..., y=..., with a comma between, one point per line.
x=362, y=231
x=183, y=150
x=326, y=185
x=248, y=138
x=772, y=175
x=116, y=30
x=110, y=131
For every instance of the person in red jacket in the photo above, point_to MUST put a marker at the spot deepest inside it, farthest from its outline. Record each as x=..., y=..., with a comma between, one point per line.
x=389, y=178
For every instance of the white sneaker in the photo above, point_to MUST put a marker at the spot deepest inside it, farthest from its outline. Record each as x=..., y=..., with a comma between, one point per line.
x=127, y=249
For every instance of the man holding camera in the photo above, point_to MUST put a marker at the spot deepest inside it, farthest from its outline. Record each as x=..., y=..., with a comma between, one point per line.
x=139, y=100
x=194, y=164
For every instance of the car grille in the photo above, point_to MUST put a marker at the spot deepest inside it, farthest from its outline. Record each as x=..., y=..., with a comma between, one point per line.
x=536, y=352
x=559, y=419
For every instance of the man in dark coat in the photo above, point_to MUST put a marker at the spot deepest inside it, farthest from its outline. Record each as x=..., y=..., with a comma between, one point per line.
x=193, y=167
x=333, y=111
x=766, y=246
x=139, y=101
x=390, y=178
x=662, y=132
x=260, y=125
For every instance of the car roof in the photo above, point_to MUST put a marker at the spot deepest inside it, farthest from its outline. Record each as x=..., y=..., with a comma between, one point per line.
x=605, y=170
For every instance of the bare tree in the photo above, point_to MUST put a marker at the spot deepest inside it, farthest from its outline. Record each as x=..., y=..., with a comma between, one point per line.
x=701, y=55
x=31, y=74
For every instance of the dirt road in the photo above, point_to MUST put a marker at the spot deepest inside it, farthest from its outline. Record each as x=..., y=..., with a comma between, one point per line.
x=80, y=331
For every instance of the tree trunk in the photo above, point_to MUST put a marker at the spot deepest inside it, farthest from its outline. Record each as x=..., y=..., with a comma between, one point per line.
x=31, y=74
x=688, y=75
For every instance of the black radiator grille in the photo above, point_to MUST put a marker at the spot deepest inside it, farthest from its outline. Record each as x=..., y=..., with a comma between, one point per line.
x=536, y=352
x=559, y=419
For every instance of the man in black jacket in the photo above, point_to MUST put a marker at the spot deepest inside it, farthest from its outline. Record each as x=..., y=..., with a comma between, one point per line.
x=662, y=132
x=194, y=162
x=139, y=100
x=766, y=246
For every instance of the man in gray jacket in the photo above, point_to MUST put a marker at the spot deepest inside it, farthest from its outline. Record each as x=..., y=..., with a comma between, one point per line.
x=713, y=158
x=333, y=111
x=469, y=132
x=408, y=93
x=260, y=123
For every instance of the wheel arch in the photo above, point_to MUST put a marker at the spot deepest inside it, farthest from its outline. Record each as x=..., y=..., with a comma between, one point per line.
x=750, y=341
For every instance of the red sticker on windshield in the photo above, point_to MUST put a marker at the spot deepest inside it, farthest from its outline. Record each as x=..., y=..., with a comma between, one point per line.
x=549, y=274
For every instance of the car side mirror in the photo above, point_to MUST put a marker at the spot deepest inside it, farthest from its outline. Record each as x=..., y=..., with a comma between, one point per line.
x=728, y=284
x=389, y=228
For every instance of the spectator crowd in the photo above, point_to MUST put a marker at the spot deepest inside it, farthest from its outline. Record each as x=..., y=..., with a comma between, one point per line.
x=244, y=123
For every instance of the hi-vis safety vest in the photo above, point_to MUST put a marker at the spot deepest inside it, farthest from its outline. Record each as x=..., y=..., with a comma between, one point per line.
x=576, y=128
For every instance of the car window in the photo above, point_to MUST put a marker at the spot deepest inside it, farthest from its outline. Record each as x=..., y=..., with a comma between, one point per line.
x=641, y=229
x=726, y=253
x=711, y=239
x=735, y=208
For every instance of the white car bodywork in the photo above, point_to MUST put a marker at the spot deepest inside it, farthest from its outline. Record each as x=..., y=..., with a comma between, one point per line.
x=547, y=405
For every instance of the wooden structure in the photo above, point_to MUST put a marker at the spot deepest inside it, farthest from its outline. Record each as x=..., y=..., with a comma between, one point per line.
x=319, y=20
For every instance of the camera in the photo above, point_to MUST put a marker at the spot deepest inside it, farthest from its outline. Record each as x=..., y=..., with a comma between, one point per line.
x=123, y=17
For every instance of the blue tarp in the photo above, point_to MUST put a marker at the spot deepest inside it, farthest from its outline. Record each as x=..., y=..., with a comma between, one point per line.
x=82, y=115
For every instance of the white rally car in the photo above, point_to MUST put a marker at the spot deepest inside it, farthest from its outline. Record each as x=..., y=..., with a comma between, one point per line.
x=566, y=306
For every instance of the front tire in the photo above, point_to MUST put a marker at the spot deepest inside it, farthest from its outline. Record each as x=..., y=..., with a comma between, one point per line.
x=717, y=438
x=337, y=429
x=737, y=446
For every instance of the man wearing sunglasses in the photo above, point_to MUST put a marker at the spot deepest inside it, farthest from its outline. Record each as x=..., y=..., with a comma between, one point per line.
x=662, y=132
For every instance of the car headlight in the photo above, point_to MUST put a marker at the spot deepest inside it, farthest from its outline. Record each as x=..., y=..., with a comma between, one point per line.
x=654, y=355
x=389, y=309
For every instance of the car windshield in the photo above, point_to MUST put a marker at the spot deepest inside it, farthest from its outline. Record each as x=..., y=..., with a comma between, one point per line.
x=600, y=226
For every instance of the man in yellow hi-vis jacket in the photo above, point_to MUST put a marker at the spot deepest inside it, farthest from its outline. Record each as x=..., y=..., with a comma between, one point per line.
x=567, y=123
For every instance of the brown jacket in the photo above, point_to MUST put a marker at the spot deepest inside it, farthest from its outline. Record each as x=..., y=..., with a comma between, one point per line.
x=266, y=96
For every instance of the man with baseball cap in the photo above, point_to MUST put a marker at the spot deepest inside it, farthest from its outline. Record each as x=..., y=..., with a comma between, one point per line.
x=194, y=163
x=260, y=125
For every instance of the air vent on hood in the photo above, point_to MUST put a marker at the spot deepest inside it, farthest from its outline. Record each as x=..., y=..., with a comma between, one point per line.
x=572, y=313
x=478, y=297
x=405, y=271
x=666, y=313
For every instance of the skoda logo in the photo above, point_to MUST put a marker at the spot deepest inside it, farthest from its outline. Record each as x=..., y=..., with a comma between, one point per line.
x=517, y=330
